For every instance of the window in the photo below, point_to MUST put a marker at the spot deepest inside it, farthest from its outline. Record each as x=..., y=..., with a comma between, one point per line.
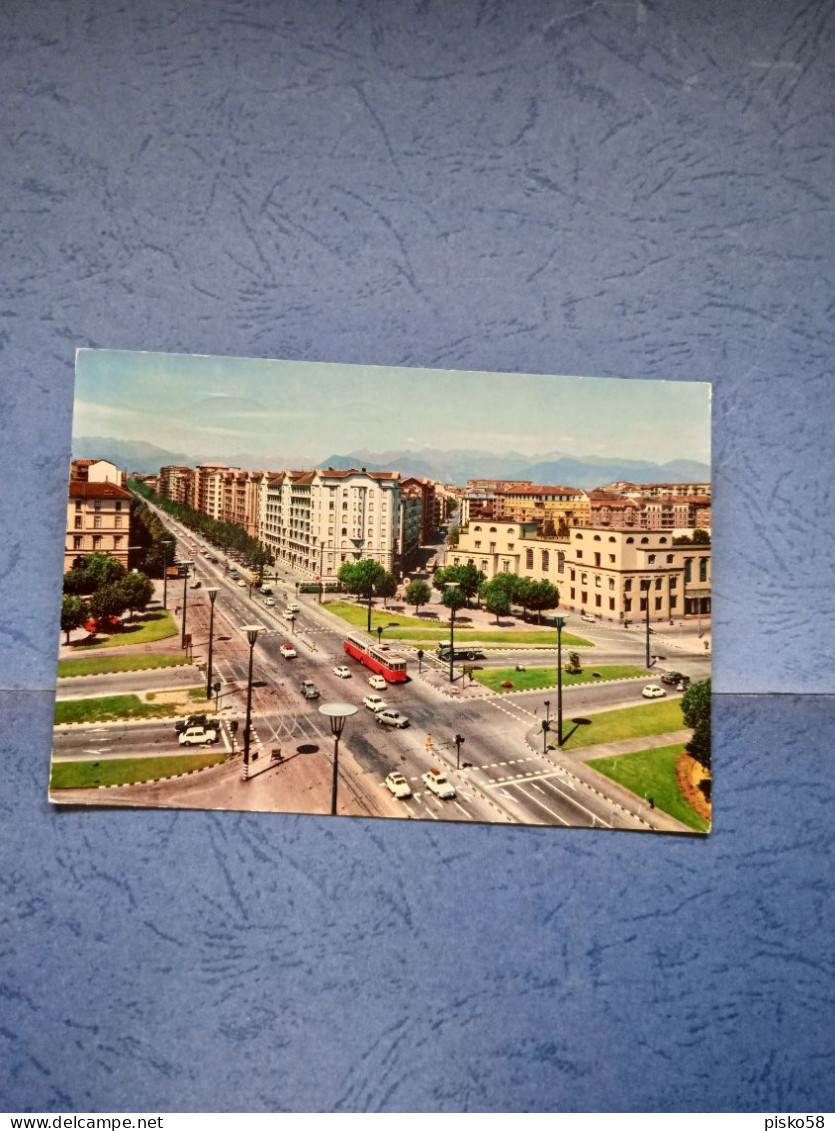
x=673, y=602
x=673, y=582
x=77, y=505
x=611, y=604
x=658, y=601
x=560, y=562
x=669, y=559
x=76, y=543
x=510, y=546
x=658, y=582
x=573, y=574
x=702, y=569
x=627, y=604
x=651, y=559
x=484, y=564
x=611, y=583
x=78, y=522
x=546, y=561
x=528, y=559
x=117, y=521
x=597, y=600
x=478, y=544
x=118, y=504
x=688, y=570
x=597, y=581
x=584, y=597
x=97, y=541
x=97, y=522
x=597, y=559
x=611, y=559
x=573, y=593
x=492, y=547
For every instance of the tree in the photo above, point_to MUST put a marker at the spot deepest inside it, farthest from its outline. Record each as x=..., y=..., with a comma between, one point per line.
x=136, y=590
x=454, y=534
x=496, y=598
x=387, y=587
x=103, y=570
x=695, y=707
x=418, y=593
x=562, y=528
x=107, y=602
x=466, y=578
x=543, y=595
x=77, y=582
x=74, y=612
x=574, y=664
x=362, y=578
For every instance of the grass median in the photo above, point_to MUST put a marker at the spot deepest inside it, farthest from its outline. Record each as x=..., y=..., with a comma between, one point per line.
x=128, y=771
x=107, y=665
x=533, y=678
x=652, y=774
x=146, y=629
x=398, y=626
x=625, y=722
x=112, y=708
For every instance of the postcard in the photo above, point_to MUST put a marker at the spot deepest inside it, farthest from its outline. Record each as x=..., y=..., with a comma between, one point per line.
x=349, y=590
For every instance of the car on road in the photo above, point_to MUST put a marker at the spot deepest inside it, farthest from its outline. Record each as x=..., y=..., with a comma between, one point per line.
x=234, y=575
x=293, y=607
x=588, y=618
x=398, y=785
x=375, y=703
x=342, y=671
x=288, y=614
x=309, y=689
x=196, y=584
x=197, y=736
x=390, y=718
x=195, y=721
x=241, y=583
x=435, y=781
x=460, y=653
x=269, y=602
x=676, y=679
x=288, y=651
x=653, y=691
x=378, y=682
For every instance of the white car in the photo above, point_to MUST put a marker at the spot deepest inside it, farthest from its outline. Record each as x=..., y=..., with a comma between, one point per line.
x=242, y=584
x=378, y=682
x=588, y=618
x=398, y=785
x=653, y=691
x=390, y=718
x=288, y=651
x=375, y=703
x=438, y=784
x=342, y=671
x=269, y=602
x=197, y=736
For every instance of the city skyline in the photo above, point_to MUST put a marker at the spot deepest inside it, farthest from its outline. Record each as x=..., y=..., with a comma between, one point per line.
x=233, y=404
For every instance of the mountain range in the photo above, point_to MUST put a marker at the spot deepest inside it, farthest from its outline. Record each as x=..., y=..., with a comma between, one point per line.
x=454, y=466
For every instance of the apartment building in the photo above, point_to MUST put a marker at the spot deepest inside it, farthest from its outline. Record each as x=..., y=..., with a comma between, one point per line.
x=316, y=520
x=609, y=573
x=550, y=506
x=98, y=521
x=176, y=483
x=96, y=471
x=207, y=488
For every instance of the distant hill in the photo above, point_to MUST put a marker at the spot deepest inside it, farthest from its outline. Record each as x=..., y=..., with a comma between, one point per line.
x=455, y=466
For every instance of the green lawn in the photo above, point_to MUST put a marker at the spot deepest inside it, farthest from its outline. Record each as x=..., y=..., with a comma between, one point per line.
x=109, y=708
x=652, y=773
x=626, y=722
x=122, y=771
x=147, y=628
x=547, y=677
x=415, y=628
x=104, y=665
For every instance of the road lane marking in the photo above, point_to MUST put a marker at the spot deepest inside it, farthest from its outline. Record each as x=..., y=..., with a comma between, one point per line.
x=544, y=806
x=464, y=811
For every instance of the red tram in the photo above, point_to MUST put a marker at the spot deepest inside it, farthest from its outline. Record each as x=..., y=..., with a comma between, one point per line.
x=390, y=665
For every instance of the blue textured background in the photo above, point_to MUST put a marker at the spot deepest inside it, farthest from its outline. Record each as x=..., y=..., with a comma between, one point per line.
x=606, y=188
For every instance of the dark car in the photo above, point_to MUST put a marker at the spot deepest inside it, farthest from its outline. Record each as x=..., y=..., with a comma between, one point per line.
x=195, y=721
x=460, y=653
x=676, y=679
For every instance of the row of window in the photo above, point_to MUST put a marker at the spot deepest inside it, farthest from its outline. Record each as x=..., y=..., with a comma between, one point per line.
x=116, y=522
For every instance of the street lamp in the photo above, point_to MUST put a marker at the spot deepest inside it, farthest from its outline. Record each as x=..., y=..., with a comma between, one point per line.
x=185, y=606
x=337, y=713
x=212, y=598
x=548, y=709
x=379, y=634
x=646, y=585
x=559, y=621
x=165, y=543
x=251, y=631
x=216, y=688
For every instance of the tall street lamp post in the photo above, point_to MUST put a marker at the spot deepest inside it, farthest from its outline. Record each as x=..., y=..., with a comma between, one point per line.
x=559, y=621
x=251, y=631
x=459, y=738
x=185, y=606
x=646, y=584
x=212, y=598
x=165, y=543
x=337, y=713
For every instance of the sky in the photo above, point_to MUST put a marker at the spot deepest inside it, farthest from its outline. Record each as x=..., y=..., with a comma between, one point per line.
x=307, y=411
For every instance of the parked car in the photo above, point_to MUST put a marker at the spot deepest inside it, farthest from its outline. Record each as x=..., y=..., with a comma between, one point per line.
x=198, y=736
x=375, y=703
x=293, y=607
x=653, y=691
x=269, y=602
x=435, y=781
x=241, y=583
x=196, y=584
x=234, y=575
x=342, y=671
x=309, y=689
x=195, y=721
x=378, y=682
x=588, y=618
x=288, y=651
x=390, y=718
x=288, y=614
x=398, y=785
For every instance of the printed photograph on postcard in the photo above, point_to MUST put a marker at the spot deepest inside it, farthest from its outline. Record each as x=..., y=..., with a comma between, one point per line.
x=359, y=591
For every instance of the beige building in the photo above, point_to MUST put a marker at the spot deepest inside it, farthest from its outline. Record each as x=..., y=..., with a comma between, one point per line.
x=98, y=521
x=316, y=520
x=176, y=483
x=599, y=571
x=542, y=504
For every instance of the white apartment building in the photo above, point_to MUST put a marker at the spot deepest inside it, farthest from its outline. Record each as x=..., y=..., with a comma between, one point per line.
x=316, y=520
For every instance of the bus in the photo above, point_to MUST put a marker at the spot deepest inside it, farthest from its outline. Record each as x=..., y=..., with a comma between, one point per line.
x=380, y=659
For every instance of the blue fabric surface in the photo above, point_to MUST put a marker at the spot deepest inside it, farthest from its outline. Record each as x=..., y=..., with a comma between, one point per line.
x=580, y=187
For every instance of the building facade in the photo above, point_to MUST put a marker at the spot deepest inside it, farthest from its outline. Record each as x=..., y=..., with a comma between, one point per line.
x=98, y=521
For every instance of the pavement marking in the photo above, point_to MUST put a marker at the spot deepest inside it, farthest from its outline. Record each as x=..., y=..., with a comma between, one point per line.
x=545, y=807
x=464, y=811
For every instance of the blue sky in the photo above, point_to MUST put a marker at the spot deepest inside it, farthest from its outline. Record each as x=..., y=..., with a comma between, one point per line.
x=310, y=410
